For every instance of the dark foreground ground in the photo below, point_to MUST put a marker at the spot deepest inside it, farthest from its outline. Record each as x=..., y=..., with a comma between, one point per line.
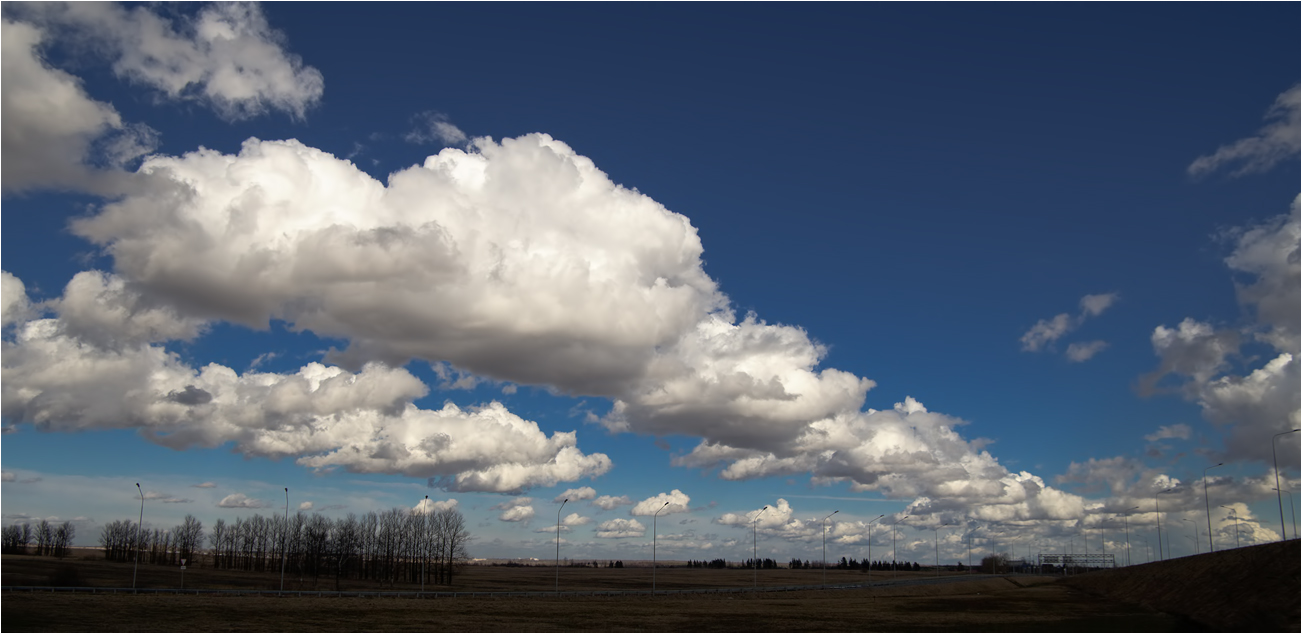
x=992, y=605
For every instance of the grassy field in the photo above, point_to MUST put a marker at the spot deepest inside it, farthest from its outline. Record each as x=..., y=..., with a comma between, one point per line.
x=999, y=604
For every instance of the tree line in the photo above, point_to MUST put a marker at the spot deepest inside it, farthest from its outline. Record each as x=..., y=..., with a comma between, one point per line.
x=50, y=539
x=394, y=546
x=852, y=564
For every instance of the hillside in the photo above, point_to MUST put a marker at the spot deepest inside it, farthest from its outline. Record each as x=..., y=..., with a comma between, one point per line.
x=1245, y=589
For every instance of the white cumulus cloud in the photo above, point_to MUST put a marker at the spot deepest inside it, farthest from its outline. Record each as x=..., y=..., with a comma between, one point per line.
x=620, y=529
x=581, y=493
x=673, y=502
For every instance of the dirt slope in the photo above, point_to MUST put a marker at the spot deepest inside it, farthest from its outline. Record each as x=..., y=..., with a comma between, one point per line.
x=1246, y=589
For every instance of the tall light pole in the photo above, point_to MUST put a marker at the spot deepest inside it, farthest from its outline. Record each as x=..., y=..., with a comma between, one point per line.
x=1235, y=514
x=1195, y=527
x=558, y=544
x=870, y=545
x=138, y=527
x=1292, y=514
x=424, y=538
x=935, y=534
x=754, y=546
x=1125, y=521
x=825, y=545
x=1158, y=505
x=1283, y=532
x=283, y=543
x=1211, y=545
x=653, y=545
x=894, y=558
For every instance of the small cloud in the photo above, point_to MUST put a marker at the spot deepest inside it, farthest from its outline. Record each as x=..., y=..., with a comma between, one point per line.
x=305, y=505
x=204, y=485
x=1094, y=305
x=515, y=510
x=620, y=529
x=673, y=502
x=1046, y=331
x=155, y=495
x=581, y=493
x=427, y=506
x=1274, y=142
x=433, y=127
x=241, y=501
x=261, y=359
x=29, y=480
x=7, y=476
x=608, y=502
x=177, y=501
x=509, y=388
x=1080, y=352
x=1178, y=431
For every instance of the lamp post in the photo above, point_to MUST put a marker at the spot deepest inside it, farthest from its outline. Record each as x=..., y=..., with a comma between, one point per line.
x=653, y=545
x=1211, y=545
x=1195, y=527
x=1292, y=514
x=1158, y=505
x=138, y=526
x=558, y=544
x=284, y=537
x=1125, y=521
x=1148, y=548
x=1235, y=514
x=1283, y=532
x=424, y=538
x=754, y=546
x=894, y=558
x=825, y=545
x=870, y=545
x=935, y=535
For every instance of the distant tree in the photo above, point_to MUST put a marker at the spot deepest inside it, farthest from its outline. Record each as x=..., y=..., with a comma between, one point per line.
x=44, y=538
x=63, y=536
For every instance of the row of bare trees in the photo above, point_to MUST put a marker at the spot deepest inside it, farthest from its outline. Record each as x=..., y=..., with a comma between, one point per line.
x=394, y=546
x=50, y=539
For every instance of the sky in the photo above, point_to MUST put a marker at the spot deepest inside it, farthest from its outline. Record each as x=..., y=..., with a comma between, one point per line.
x=1007, y=276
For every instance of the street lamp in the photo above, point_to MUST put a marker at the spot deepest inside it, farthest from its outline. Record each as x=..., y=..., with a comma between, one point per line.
x=894, y=558
x=653, y=545
x=1292, y=514
x=1158, y=505
x=558, y=544
x=283, y=541
x=870, y=544
x=424, y=538
x=1235, y=514
x=1211, y=545
x=1195, y=527
x=1283, y=532
x=935, y=535
x=825, y=545
x=138, y=526
x=1125, y=521
x=754, y=546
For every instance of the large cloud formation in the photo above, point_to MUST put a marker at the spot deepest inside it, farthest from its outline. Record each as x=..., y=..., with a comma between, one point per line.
x=1263, y=401
x=517, y=260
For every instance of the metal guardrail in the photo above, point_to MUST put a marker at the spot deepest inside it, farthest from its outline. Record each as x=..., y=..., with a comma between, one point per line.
x=489, y=594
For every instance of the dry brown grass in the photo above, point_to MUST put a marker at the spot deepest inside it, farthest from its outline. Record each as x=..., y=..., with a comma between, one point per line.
x=1022, y=604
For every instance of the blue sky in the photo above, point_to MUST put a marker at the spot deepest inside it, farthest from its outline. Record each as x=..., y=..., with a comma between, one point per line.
x=1011, y=270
